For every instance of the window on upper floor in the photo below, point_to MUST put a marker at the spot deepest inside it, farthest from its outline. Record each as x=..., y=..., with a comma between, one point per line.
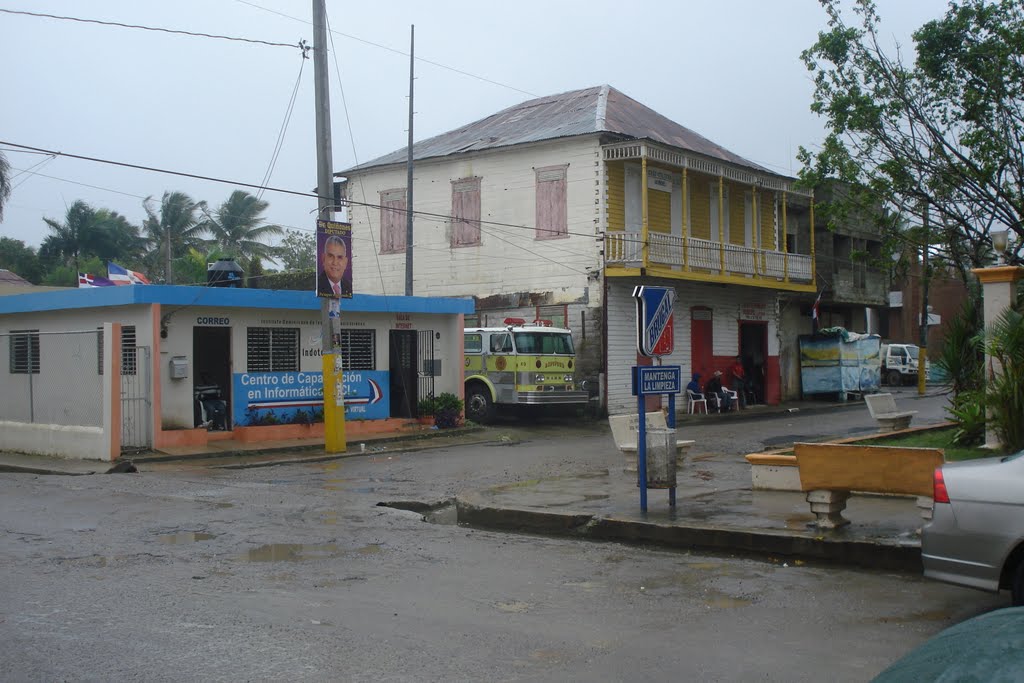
x=465, y=212
x=552, y=212
x=392, y=221
x=713, y=198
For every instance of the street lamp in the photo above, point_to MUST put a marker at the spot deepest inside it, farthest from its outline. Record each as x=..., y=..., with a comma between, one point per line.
x=1000, y=241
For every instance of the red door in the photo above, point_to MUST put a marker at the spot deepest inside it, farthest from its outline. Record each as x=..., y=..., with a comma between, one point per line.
x=701, y=342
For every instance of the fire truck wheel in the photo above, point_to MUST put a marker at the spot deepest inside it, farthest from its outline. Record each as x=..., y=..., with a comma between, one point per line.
x=479, y=407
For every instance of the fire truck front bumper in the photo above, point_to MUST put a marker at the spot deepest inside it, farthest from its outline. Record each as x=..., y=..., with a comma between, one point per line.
x=553, y=396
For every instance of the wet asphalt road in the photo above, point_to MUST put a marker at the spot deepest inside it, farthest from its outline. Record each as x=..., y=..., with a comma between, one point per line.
x=296, y=573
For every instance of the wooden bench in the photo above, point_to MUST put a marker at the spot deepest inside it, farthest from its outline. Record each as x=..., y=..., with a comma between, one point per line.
x=625, y=429
x=883, y=408
x=829, y=472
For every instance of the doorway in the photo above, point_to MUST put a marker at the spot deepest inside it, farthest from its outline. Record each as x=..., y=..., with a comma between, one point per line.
x=211, y=360
x=701, y=342
x=754, y=354
x=403, y=379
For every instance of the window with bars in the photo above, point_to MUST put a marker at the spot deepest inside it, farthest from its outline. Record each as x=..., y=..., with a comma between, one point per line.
x=358, y=349
x=129, y=353
x=24, y=352
x=272, y=349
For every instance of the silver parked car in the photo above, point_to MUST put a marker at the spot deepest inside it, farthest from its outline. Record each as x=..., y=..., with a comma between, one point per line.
x=976, y=536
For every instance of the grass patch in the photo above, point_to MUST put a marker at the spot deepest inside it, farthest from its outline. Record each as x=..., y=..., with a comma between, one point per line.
x=934, y=438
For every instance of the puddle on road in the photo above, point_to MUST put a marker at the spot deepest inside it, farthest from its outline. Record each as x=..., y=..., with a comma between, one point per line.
x=446, y=514
x=183, y=537
x=727, y=602
x=299, y=552
x=291, y=552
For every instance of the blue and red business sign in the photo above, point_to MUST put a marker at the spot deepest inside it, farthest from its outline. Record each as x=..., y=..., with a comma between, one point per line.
x=654, y=320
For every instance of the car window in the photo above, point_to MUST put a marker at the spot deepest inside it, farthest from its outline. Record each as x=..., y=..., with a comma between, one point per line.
x=473, y=343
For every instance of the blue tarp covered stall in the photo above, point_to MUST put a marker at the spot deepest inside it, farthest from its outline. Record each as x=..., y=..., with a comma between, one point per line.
x=835, y=361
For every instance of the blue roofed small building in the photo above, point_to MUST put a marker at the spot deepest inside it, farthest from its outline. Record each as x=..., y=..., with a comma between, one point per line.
x=195, y=365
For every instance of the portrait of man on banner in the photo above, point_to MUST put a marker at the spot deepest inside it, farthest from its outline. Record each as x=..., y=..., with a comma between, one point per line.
x=334, y=259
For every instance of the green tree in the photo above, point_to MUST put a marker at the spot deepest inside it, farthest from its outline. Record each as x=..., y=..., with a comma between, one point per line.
x=297, y=250
x=20, y=259
x=238, y=228
x=172, y=231
x=73, y=238
x=5, y=183
x=946, y=132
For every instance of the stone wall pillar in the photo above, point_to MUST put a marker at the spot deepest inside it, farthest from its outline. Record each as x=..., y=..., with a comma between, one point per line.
x=999, y=291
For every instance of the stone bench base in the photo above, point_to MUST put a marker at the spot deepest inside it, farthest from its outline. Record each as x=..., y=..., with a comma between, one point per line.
x=828, y=507
x=631, y=456
x=894, y=422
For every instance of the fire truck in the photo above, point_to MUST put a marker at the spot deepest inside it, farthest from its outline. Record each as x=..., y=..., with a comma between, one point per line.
x=520, y=364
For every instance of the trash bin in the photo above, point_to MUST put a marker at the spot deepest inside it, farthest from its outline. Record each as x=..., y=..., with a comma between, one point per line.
x=661, y=458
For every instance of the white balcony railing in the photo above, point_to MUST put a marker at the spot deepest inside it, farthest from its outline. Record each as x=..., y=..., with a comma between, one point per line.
x=626, y=248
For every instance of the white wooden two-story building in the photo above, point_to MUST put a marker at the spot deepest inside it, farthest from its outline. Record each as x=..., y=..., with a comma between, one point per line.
x=557, y=207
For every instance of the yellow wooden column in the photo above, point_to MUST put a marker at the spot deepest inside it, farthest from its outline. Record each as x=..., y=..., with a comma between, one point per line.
x=643, y=208
x=721, y=224
x=755, y=231
x=686, y=225
x=785, y=239
x=814, y=265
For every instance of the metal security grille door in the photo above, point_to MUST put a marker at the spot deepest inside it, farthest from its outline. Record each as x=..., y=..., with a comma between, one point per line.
x=136, y=405
x=429, y=367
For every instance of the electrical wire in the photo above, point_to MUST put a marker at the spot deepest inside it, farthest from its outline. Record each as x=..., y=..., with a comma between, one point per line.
x=396, y=51
x=153, y=28
x=284, y=129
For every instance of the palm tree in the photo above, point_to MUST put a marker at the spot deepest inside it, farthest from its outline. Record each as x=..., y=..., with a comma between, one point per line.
x=75, y=237
x=237, y=227
x=174, y=230
x=5, y=183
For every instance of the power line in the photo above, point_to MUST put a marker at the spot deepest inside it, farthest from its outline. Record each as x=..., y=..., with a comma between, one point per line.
x=284, y=128
x=397, y=51
x=194, y=34
x=237, y=183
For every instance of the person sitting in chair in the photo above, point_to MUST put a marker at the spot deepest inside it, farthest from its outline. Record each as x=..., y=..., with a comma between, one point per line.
x=714, y=388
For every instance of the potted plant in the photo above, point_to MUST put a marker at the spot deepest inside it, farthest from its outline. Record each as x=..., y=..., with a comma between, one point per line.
x=447, y=411
x=426, y=409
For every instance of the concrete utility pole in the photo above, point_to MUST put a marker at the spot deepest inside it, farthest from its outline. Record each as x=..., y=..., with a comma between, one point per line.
x=408, y=181
x=334, y=413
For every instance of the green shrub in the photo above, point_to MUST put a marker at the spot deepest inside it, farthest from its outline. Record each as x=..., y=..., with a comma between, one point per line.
x=447, y=411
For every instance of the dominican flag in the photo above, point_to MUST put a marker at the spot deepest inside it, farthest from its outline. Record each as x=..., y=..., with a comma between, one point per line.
x=120, y=275
x=814, y=310
x=86, y=280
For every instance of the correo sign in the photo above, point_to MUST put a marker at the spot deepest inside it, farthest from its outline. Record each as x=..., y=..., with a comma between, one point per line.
x=654, y=320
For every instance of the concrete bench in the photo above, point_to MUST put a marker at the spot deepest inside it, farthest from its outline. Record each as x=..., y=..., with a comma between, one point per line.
x=883, y=408
x=625, y=429
x=829, y=472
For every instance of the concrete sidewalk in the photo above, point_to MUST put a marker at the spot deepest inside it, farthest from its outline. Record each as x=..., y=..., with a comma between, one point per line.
x=716, y=509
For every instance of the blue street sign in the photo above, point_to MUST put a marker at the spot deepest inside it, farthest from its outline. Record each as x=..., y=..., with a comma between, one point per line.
x=657, y=379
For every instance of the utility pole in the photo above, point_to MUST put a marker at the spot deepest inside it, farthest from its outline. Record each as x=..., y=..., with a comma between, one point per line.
x=334, y=411
x=922, y=354
x=408, y=181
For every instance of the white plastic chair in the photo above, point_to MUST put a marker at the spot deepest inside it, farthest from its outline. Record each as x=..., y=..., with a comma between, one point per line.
x=695, y=401
x=734, y=398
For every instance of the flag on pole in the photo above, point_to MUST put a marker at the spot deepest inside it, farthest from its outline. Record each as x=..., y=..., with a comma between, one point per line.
x=814, y=310
x=86, y=280
x=120, y=275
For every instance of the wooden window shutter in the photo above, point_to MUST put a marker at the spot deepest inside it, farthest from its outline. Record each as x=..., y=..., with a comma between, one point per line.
x=465, y=212
x=552, y=212
x=392, y=221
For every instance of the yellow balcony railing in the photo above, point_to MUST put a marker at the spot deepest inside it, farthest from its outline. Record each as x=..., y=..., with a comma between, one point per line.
x=705, y=256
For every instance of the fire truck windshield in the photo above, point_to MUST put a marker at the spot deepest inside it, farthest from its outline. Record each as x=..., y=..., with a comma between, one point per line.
x=544, y=343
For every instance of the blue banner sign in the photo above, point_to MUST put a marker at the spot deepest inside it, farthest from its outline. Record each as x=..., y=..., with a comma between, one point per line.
x=264, y=398
x=657, y=379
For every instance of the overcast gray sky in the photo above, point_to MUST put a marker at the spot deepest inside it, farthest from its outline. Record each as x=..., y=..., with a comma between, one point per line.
x=729, y=70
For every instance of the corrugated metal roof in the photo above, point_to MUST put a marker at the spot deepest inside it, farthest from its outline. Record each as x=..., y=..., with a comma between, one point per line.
x=601, y=109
